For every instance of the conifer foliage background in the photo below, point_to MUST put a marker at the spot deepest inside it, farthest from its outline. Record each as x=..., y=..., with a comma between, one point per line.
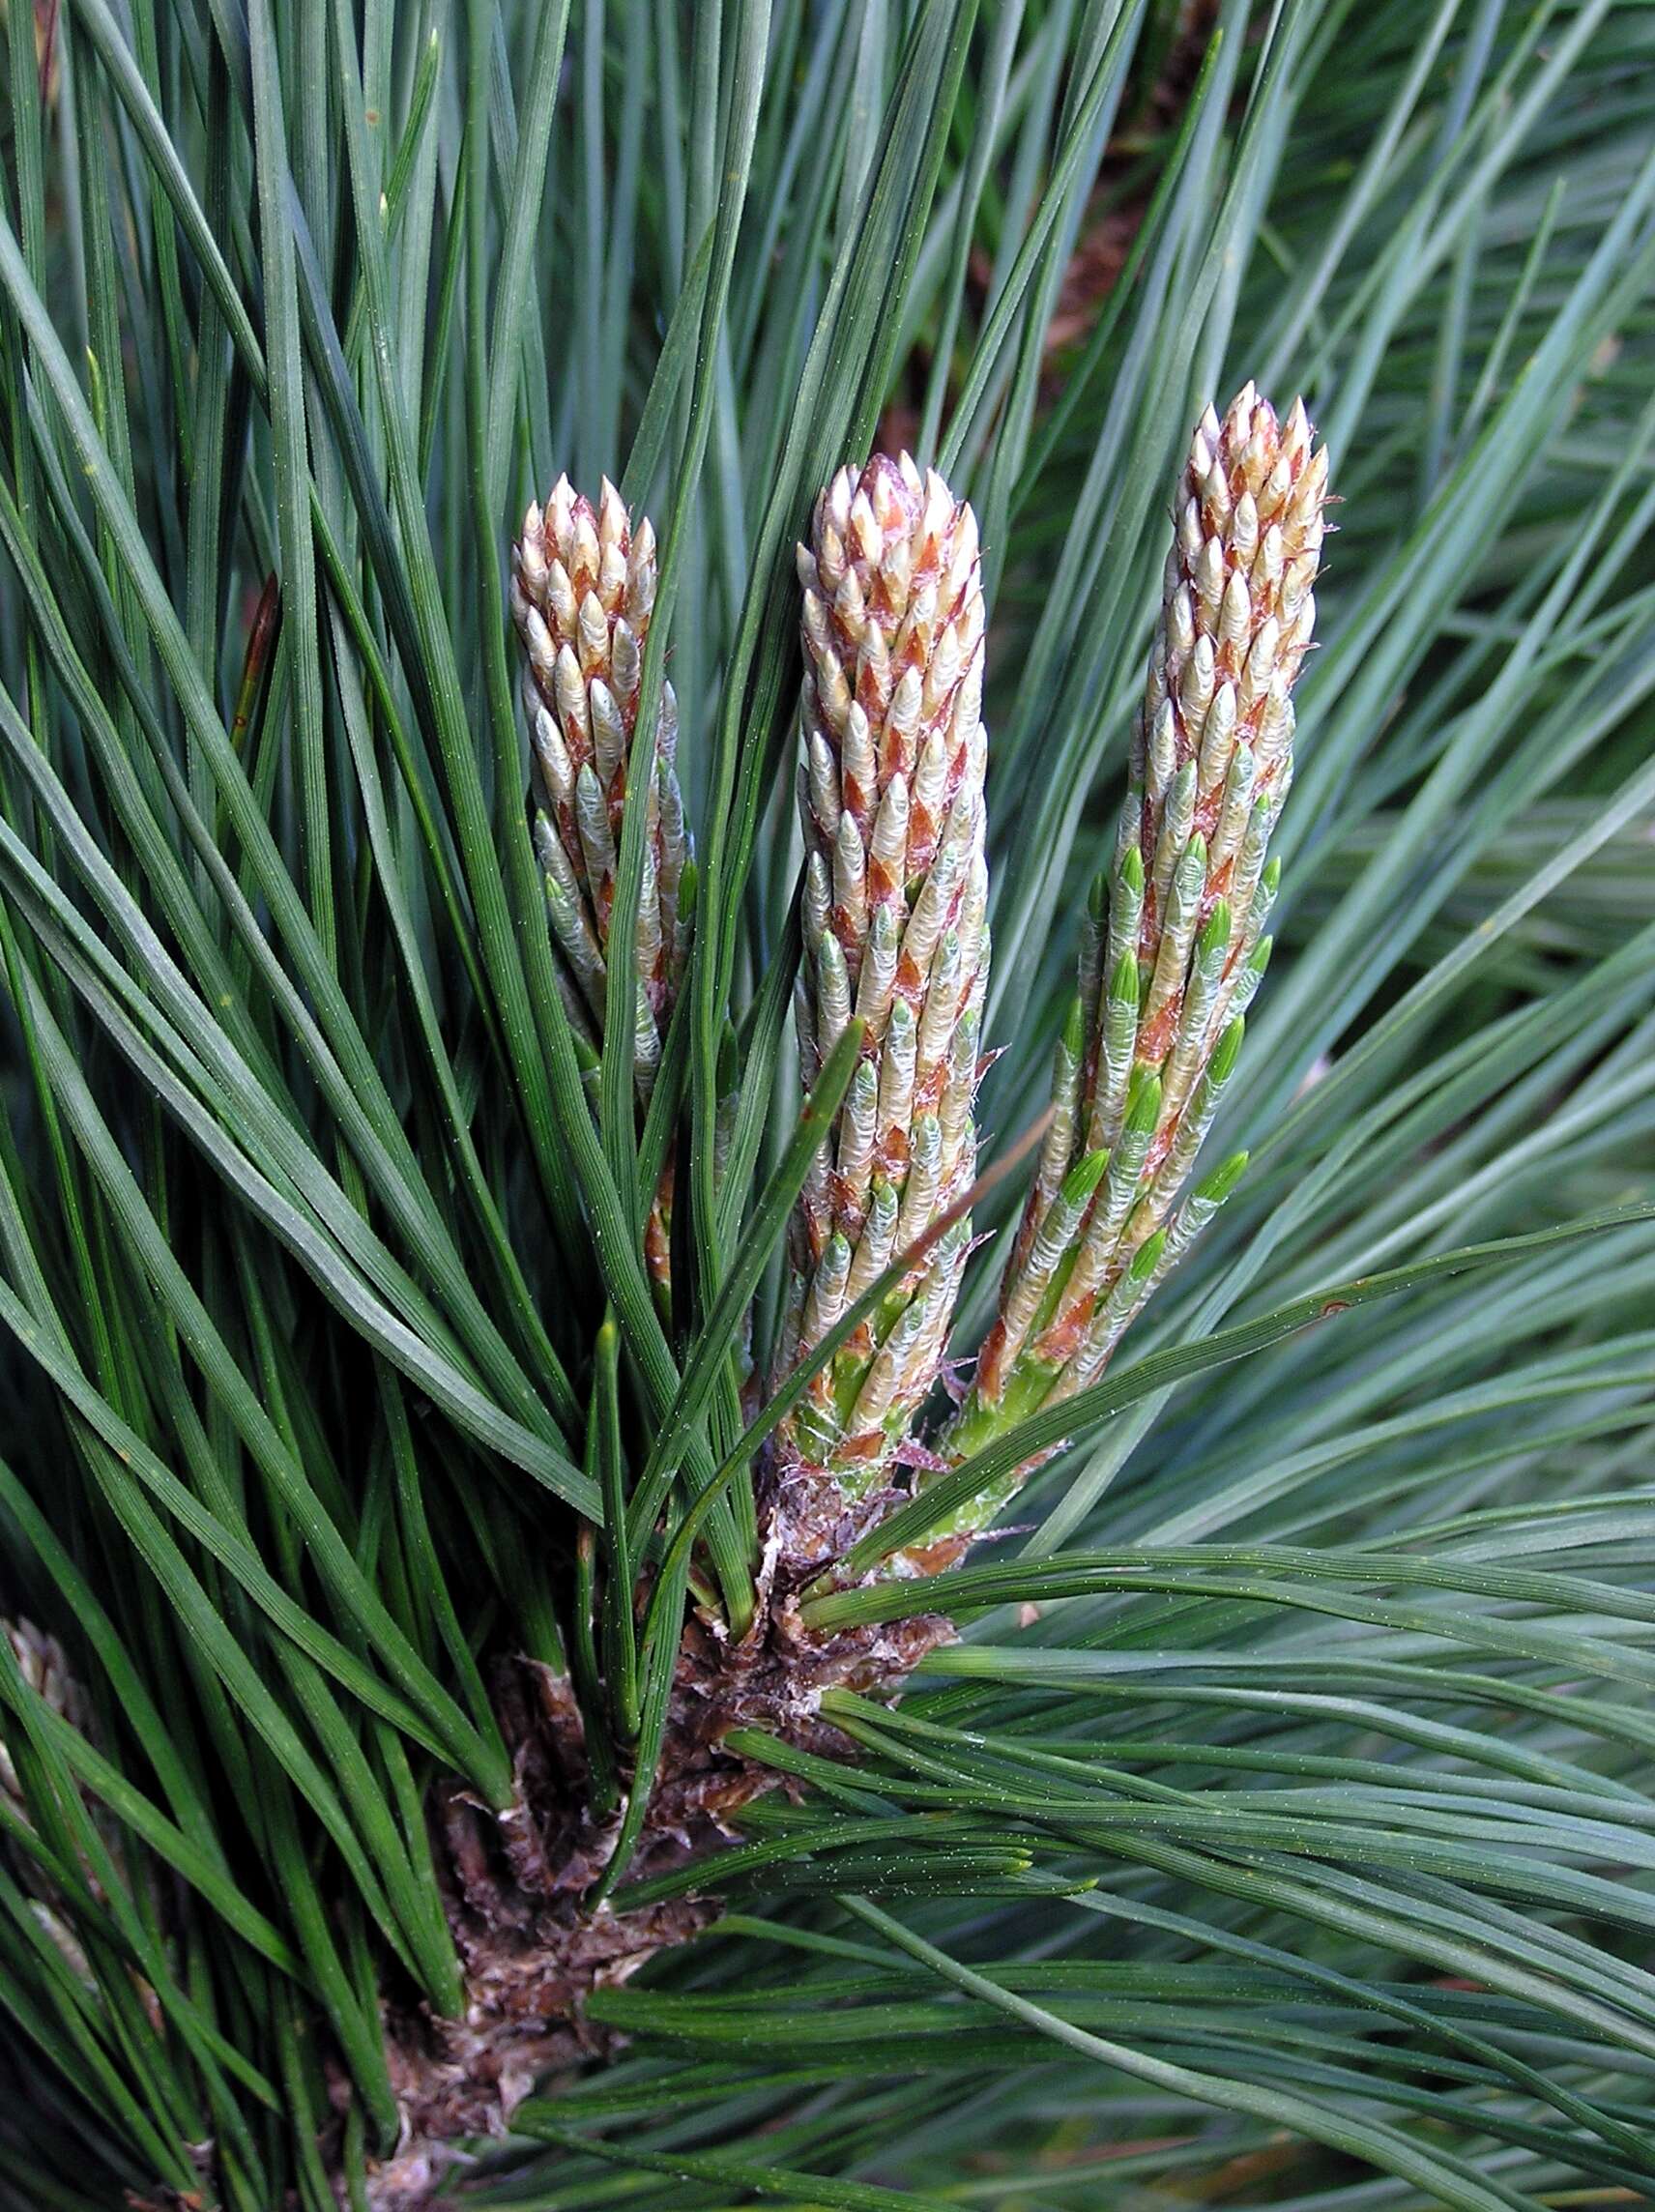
x=1280, y=1828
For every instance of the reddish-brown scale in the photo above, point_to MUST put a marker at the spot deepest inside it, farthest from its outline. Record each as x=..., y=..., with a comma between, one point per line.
x=871, y=696
x=1064, y=1338
x=951, y=781
x=910, y=984
x=1206, y=811
x=1160, y=1144
x=1155, y=1037
x=858, y=803
x=883, y=888
x=927, y=559
x=991, y=1375
x=928, y=1087
x=859, y=1344
x=867, y=1444
x=848, y=1210
x=890, y=1155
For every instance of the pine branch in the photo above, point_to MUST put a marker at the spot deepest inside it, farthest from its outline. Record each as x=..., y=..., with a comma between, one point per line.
x=890, y=789
x=583, y=590
x=1174, y=946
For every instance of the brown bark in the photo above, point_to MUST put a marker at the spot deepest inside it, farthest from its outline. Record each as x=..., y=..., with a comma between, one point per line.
x=516, y=1886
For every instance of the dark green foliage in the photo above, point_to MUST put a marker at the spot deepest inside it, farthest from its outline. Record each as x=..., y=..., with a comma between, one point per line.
x=1280, y=1829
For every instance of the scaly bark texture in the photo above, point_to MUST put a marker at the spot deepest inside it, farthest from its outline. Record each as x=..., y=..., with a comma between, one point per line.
x=514, y=1889
x=583, y=590
x=896, y=889
x=1175, y=944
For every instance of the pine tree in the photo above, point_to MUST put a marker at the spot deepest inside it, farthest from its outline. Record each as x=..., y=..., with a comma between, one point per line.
x=664, y=1536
